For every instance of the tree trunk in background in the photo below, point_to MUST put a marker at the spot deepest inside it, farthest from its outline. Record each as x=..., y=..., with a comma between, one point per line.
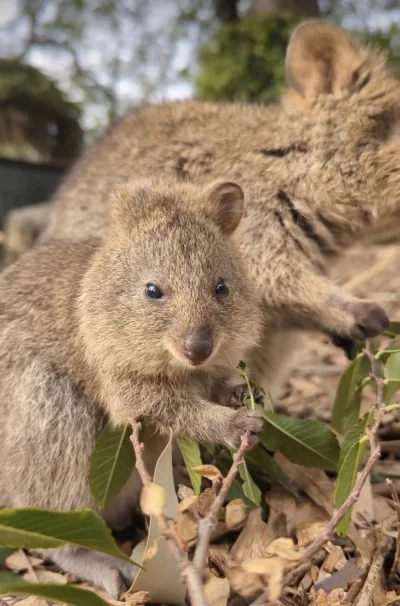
x=308, y=8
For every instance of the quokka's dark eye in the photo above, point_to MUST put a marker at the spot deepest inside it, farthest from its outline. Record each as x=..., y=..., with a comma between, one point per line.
x=221, y=289
x=152, y=291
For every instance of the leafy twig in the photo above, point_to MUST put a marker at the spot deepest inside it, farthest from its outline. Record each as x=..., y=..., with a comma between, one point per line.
x=375, y=452
x=191, y=576
x=191, y=572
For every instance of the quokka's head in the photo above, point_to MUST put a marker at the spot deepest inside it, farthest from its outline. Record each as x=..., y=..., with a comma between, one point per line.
x=350, y=103
x=166, y=292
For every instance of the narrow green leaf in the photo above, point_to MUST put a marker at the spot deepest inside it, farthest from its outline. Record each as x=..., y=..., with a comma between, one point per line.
x=354, y=434
x=392, y=373
x=393, y=345
x=111, y=464
x=224, y=463
x=9, y=577
x=346, y=407
x=260, y=457
x=393, y=330
x=66, y=594
x=250, y=488
x=349, y=464
x=40, y=528
x=303, y=442
x=4, y=553
x=191, y=455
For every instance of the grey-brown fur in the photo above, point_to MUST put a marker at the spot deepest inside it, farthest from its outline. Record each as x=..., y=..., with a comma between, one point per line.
x=80, y=343
x=320, y=171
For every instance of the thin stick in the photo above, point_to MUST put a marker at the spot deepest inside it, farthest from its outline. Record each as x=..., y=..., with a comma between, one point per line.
x=208, y=524
x=191, y=576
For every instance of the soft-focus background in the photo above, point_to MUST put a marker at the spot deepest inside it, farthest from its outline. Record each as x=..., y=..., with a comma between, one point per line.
x=70, y=67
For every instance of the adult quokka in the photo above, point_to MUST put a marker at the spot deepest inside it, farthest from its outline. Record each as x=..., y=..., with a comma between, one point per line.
x=320, y=172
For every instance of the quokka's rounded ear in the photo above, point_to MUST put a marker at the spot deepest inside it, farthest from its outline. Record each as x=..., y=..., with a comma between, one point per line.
x=322, y=58
x=228, y=203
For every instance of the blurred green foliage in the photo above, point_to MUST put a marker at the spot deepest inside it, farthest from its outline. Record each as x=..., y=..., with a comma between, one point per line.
x=244, y=61
x=37, y=122
x=389, y=42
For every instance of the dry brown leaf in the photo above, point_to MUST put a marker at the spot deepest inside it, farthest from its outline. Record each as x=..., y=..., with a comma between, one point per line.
x=272, y=567
x=244, y=583
x=17, y=561
x=216, y=590
x=335, y=559
x=255, y=536
x=140, y=597
x=41, y=575
x=306, y=582
x=282, y=512
x=314, y=482
x=187, y=503
x=363, y=509
x=235, y=513
x=314, y=572
x=284, y=548
x=334, y=599
x=186, y=528
x=32, y=601
x=307, y=534
x=383, y=508
x=153, y=499
x=204, y=501
x=184, y=492
x=208, y=471
x=275, y=583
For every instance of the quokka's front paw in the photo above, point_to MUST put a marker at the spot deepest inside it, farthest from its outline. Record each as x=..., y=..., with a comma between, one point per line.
x=344, y=343
x=240, y=393
x=245, y=420
x=370, y=320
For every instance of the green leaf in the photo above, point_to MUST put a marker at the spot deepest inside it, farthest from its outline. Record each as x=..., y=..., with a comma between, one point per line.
x=250, y=488
x=260, y=457
x=392, y=373
x=349, y=464
x=111, y=464
x=4, y=553
x=191, y=455
x=66, y=594
x=224, y=463
x=303, y=442
x=346, y=407
x=9, y=577
x=40, y=528
x=393, y=330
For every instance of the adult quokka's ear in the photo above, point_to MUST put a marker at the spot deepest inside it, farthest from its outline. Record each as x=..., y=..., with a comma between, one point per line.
x=227, y=201
x=324, y=59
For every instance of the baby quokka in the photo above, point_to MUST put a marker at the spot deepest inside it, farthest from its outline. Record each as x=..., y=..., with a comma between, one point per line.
x=149, y=322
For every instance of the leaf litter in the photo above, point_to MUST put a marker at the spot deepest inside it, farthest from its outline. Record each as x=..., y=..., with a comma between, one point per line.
x=255, y=547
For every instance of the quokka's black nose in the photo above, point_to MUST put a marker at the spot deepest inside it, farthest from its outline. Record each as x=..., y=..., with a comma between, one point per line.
x=198, y=345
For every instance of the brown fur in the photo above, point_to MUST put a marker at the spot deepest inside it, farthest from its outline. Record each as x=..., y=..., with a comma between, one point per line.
x=80, y=343
x=320, y=172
